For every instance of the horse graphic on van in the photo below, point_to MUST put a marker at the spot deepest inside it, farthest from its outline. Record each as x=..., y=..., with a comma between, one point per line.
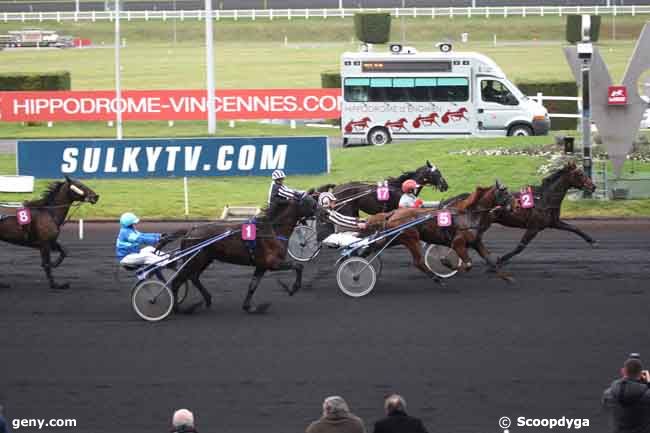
x=455, y=115
x=357, y=125
x=397, y=125
x=426, y=120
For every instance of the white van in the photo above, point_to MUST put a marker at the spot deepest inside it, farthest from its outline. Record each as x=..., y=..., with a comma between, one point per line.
x=408, y=95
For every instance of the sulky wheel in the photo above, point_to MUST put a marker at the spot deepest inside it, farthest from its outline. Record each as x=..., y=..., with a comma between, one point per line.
x=303, y=243
x=152, y=300
x=442, y=261
x=356, y=277
x=183, y=289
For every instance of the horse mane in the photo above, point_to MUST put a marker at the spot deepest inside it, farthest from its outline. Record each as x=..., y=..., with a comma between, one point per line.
x=323, y=188
x=454, y=199
x=472, y=199
x=46, y=197
x=402, y=177
x=551, y=178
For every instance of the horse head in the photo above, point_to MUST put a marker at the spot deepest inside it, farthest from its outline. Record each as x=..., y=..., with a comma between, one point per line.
x=77, y=191
x=577, y=178
x=502, y=197
x=431, y=175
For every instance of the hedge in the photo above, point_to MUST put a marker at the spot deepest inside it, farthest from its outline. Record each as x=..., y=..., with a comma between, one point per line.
x=330, y=79
x=372, y=28
x=35, y=81
x=555, y=88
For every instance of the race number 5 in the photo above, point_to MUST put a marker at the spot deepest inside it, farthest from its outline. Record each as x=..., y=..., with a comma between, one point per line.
x=248, y=232
x=24, y=216
x=444, y=218
x=527, y=200
x=382, y=193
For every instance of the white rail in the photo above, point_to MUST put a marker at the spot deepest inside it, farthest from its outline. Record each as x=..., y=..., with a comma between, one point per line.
x=271, y=14
x=539, y=97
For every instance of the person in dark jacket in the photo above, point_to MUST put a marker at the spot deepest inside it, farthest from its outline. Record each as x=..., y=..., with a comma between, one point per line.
x=4, y=427
x=337, y=418
x=397, y=420
x=628, y=399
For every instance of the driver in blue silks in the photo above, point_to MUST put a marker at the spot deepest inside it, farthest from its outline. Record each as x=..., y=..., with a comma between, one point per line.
x=129, y=241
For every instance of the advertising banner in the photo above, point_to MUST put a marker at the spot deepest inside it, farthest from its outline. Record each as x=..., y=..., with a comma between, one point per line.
x=135, y=158
x=148, y=105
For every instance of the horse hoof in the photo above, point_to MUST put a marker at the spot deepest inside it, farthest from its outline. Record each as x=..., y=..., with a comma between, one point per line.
x=208, y=302
x=285, y=286
x=294, y=290
x=257, y=309
x=64, y=286
x=192, y=308
x=594, y=244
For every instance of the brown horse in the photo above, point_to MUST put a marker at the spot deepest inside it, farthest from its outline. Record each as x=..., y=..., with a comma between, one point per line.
x=471, y=217
x=267, y=253
x=48, y=214
x=547, y=206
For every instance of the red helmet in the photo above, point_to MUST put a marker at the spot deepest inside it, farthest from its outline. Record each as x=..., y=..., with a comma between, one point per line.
x=409, y=185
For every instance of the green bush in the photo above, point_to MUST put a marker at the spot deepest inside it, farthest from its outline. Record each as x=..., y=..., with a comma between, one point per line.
x=555, y=88
x=24, y=81
x=330, y=79
x=372, y=28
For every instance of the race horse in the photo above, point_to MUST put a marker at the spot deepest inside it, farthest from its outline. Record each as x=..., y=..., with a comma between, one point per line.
x=545, y=213
x=47, y=214
x=471, y=218
x=268, y=252
x=354, y=197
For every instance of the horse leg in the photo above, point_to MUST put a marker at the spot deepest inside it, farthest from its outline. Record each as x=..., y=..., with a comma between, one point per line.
x=561, y=225
x=415, y=248
x=459, y=244
x=63, y=253
x=249, y=306
x=480, y=247
x=287, y=266
x=47, y=267
x=207, y=297
x=523, y=243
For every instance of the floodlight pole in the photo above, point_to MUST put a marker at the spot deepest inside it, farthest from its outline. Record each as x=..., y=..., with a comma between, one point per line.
x=118, y=86
x=209, y=59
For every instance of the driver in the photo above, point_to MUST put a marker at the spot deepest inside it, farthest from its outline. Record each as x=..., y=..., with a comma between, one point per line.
x=327, y=201
x=129, y=240
x=279, y=192
x=409, y=198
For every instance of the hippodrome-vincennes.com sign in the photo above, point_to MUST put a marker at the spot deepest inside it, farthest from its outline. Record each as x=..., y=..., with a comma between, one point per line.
x=145, y=105
x=172, y=157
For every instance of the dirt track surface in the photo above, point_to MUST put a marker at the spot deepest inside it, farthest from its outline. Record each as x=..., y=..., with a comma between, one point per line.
x=463, y=355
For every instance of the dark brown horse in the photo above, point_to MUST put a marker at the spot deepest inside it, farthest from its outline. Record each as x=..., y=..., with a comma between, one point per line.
x=267, y=253
x=547, y=206
x=471, y=218
x=48, y=214
x=366, y=200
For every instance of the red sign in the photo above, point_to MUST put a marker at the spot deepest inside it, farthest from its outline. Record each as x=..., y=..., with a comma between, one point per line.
x=241, y=104
x=617, y=95
x=24, y=216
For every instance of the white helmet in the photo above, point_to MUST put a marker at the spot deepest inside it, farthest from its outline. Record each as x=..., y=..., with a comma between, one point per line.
x=325, y=198
x=278, y=174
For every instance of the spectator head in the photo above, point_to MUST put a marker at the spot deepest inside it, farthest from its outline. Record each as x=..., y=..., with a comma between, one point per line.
x=335, y=405
x=632, y=368
x=182, y=420
x=394, y=403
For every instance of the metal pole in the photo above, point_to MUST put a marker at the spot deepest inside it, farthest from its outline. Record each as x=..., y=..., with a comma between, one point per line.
x=340, y=4
x=209, y=59
x=118, y=86
x=175, y=36
x=76, y=6
x=186, y=196
x=586, y=122
x=474, y=4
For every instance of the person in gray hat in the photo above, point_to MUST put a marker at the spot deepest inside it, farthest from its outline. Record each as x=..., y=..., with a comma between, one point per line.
x=337, y=418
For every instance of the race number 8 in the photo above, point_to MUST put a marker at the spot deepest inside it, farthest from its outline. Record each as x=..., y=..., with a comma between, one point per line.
x=23, y=216
x=248, y=232
x=444, y=219
x=527, y=201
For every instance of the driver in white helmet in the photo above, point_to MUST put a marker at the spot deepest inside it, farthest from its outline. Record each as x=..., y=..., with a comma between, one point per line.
x=279, y=192
x=327, y=201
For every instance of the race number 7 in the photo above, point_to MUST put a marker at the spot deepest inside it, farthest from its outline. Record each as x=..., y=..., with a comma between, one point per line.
x=248, y=232
x=382, y=193
x=444, y=219
x=24, y=216
x=527, y=200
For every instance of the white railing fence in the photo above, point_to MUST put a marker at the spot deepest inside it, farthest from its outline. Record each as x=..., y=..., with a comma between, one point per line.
x=539, y=97
x=271, y=14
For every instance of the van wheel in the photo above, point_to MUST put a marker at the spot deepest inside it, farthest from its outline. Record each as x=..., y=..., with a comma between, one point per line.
x=378, y=136
x=520, y=131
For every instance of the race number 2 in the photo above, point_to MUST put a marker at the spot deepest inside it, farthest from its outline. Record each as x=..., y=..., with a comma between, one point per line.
x=24, y=216
x=248, y=232
x=382, y=193
x=444, y=218
x=527, y=200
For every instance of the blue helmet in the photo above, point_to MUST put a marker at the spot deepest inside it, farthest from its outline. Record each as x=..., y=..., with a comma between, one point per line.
x=128, y=219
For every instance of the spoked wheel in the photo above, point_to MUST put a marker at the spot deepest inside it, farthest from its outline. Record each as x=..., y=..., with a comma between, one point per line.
x=442, y=261
x=356, y=277
x=303, y=243
x=152, y=300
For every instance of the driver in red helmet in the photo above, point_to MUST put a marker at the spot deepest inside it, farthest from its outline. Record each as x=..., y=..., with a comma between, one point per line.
x=409, y=198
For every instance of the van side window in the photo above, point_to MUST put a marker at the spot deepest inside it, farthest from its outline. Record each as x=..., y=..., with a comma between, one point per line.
x=405, y=89
x=496, y=92
x=356, y=89
x=451, y=90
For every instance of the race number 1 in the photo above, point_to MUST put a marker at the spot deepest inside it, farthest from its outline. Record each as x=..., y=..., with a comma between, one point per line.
x=444, y=218
x=527, y=200
x=248, y=232
x=24, y=216
x=382, y=193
